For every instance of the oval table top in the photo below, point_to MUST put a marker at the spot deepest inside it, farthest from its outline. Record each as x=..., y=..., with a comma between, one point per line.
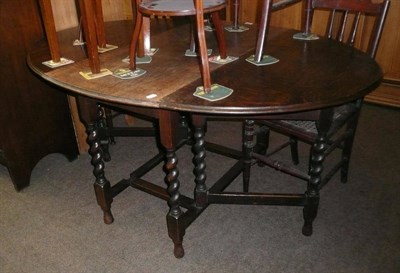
x=309, y=74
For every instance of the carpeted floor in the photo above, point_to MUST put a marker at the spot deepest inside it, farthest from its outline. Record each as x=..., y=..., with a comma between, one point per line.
x=55, y=225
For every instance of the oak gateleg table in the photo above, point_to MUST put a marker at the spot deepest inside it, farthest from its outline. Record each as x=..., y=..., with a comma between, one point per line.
x=309, y=75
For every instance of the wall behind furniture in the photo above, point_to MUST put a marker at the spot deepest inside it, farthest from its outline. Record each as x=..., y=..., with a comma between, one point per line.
x=65, y=12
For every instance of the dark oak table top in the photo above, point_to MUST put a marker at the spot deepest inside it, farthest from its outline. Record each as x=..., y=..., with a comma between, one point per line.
x=309, y=75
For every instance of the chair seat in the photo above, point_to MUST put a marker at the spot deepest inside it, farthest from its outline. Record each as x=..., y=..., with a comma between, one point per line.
x=178, y=7
x=308, y=127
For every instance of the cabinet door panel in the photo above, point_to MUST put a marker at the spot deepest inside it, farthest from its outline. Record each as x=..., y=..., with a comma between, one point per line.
x=34, y=116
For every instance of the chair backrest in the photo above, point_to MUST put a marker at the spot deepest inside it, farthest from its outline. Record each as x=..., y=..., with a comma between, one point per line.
x=344, y=23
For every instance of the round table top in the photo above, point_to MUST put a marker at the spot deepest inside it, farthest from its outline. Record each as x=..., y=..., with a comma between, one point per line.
x=309, y=74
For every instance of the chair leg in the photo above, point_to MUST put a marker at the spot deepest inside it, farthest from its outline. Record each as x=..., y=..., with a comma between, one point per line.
x=105, y=123
x=50, y=28
x=248, y=145
x=294, y=150
x=205, y=67
x=346, y=153
x=236, y=5
x=316, y=165
x=262, y=142
x=109, y=122
x=99, y=20
x=310, y=211
x=135, y=37
x=347, y=148
x=102, y=186
x=263, y=29
x=199, y=152
x=308, y=15
x=220, y=34
x=175, y=229
x=89, y=28
x=192, y=47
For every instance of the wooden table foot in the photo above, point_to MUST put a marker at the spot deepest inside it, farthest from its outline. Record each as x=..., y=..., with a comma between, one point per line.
x=179, y=252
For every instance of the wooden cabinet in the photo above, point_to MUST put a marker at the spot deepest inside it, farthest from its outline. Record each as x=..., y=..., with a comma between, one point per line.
x=388, y=55
x=34, y=117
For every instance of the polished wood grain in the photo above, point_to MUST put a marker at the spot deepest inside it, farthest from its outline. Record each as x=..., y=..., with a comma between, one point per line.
x=290, y=17
x=388, y=51
x=119, y=35
x=281, y=92
x=173, y=83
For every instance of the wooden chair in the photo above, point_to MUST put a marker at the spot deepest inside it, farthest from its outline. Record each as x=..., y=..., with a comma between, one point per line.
x=195, y=8
x=326, y=129
x=267, y=7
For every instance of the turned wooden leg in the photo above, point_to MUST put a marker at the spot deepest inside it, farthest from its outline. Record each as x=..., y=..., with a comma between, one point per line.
x=316, y=165
x=199, y=161
x=248, y=145
x=103, y=124
x=175, y=230
x=262, y=143
x=169, y=124
x=89, y=113
x=108, y=115
x=348, y=147
x=102, y=186
x=309, y=214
